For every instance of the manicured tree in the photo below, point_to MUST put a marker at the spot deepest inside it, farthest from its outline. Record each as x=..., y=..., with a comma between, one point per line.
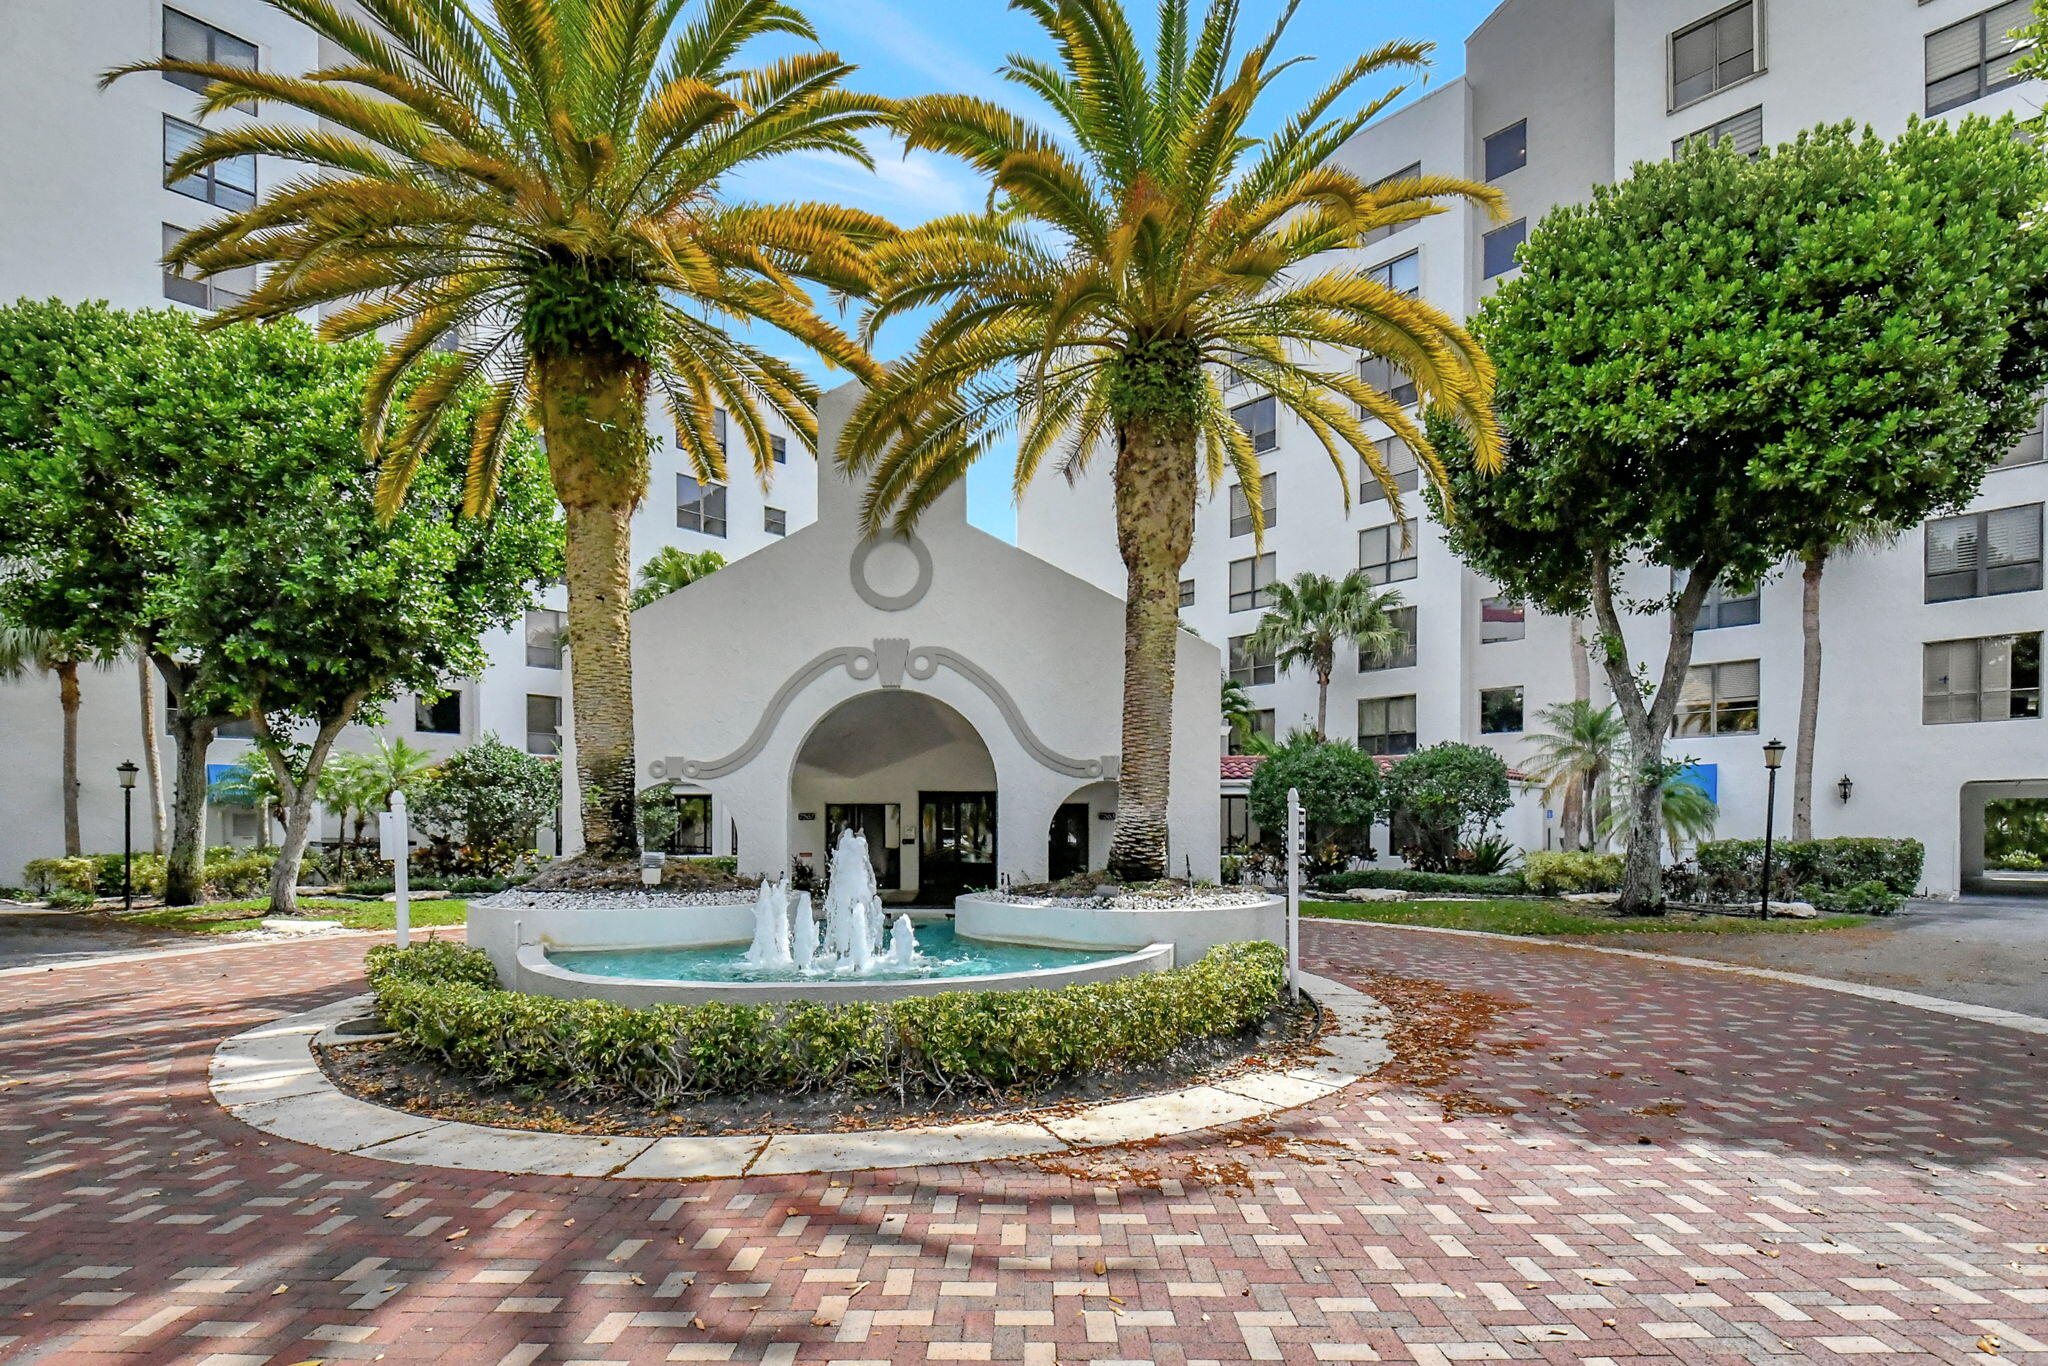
x=1141, y=255
x=1313, y=616
x=488, y=797
x=546, y=183
x=670, y=568
x=1448, y=791
x=1342, y=790
x=1718, y=363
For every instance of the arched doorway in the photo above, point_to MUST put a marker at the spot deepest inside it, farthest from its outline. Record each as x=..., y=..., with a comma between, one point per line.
x=912, y=775
x=1078, y=841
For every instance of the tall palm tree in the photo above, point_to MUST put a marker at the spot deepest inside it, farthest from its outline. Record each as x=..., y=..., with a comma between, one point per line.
x=1313, y=616
x=671, y=568
x=1812, y=564
x=1573, y=758
x=24, y=650
x=1137, y=258
x=542, y=185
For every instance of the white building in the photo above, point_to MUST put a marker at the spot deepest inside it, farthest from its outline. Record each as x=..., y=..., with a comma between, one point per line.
x=88, y=217
x=1560, y=95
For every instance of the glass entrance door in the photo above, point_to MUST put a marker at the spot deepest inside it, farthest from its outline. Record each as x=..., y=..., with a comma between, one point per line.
x=956, y=835
x=881, y=824
x=1066, y=851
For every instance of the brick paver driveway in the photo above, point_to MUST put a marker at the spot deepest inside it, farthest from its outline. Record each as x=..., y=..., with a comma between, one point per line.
x=1643, y=1162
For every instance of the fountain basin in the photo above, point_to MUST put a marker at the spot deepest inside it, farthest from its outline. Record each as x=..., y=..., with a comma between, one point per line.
x=1193, y=927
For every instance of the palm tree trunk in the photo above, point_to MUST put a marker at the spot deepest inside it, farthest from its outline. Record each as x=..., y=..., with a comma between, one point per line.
x=152, y=756
x=1323, y=705
x=1582, y=671
x=593, y=412
x=67, y=698
x=1155, y=524
x=1809, y=696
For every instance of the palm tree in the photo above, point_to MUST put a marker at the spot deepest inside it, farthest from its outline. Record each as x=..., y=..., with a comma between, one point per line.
x=356, y=785
x=25, y=650
x=249, y=782
x=671, y=568
x=1240, y=713
x=1139, y=259
x=541, y=187
x=1856, y=536
x=1313, y=616
x=1684, y=810
x=1573, y=758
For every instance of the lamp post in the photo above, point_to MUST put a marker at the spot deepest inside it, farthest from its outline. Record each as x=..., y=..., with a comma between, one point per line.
x=127, y=770
x=1774, y=755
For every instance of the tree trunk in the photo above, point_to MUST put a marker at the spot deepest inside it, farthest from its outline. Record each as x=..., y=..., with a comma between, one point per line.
x=185, y=869
x=152, y=756
x=1155, y=526
x=1582, y=673
x=593, y=415
x=299, y=792
x=1323, y=705
x=67, y=698
x=1649, y=720
x=1809, y=697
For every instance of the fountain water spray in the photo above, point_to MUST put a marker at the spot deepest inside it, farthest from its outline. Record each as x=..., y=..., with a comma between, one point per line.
x=805, y=947
x=902, y=943
x=771, y=927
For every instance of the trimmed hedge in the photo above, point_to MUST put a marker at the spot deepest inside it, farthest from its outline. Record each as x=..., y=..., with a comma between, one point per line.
x=1560, y=871
x=1732, y=870
x=1412, y=880
x=443, y=1000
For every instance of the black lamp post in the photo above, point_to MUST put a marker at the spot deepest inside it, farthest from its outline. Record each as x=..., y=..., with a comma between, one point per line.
x=127, y=770
x=1774, y=755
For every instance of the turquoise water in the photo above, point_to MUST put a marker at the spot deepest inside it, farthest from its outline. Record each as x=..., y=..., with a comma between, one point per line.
x=940, y=953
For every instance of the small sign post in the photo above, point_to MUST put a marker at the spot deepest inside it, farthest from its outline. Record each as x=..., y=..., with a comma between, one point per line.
x=394, y=840
x=1294, y=841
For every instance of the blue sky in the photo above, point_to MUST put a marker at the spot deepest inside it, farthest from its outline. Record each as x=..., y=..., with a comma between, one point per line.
x=906, y=47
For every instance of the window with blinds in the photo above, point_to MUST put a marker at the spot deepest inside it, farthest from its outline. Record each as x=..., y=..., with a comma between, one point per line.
x=1386, y=725
x=1968, y=61
x=1983, y=554
x=224, y=289
x=1714, y=53
x=546, y=633
x=1248, y=668
x=700, y=506
x=1251, y=583
x=1719, y=699
x=1241, y=508
x=1991, y=678
x=1744, y=132
x=1411, y=171
x=1401, y=468
x=1260, y=420
x=2030, y=449
x=1387, y=553
x=1261, y=727
x=1377, y=372
x=1402, y=655
x=1402, y=274
x=190, y=40
x=1723, y=605
x=230, y=183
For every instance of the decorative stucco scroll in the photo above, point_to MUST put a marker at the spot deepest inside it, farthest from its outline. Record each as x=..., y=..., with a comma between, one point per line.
x=890, y=662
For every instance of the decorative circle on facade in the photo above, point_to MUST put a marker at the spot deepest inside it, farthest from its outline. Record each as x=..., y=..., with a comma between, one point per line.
x=876, y=597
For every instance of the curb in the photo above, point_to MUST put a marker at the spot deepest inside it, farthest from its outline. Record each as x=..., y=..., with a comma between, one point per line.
x=268, y=1078
x=1939, y=1005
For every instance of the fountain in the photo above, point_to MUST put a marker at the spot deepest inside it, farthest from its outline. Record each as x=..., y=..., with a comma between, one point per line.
x=771, y=928
x=786, y=938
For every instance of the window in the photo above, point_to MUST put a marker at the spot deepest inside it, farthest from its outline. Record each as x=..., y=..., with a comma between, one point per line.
x=1248, y=668
x=1240, y=831
x=1500, y=711
x=1400, y=466
x=544, y=638
x=1724, y=606
x=224, y=290
x=2030, y=449
x=1261, y=727
x=543, y=723
x=718, y=427
x=1968, y=61
x=1715, y=53
x=1718, y=699
x=1187, y=592
x=1387, y=553
x=1994, y=678
x=1379, y=373
x=1241, y=510
x=700, y=507
x=1408, y=172
x=1251, y=583
x=1981, y=554
x=1402, y=656
x=235, y=728
x=1497, y=248
x=775, y=521
x=1745, y=131
x=1386, y=725
x=1259, y=419
x=779, y=448
x=1501, y=619
x=693, y=824
x=230, y=184
x=439, y=716
x=188, y=40
x=1403, y=274
x=1507, y=150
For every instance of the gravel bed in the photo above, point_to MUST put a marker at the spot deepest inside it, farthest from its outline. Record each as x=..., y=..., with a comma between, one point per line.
x=563, y=900
x=1200, y=898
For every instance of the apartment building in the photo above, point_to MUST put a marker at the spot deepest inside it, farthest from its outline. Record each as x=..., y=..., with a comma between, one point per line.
x=1931, y=698
x=89, y=213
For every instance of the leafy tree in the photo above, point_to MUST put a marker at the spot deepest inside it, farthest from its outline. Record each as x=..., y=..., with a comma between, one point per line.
x=1313, y=616
x=1720, y=362
x=548, y=186
x=25, y=650
x=1141, y=254
x=489, y=798
x=670, y=568
x=1573, y=760
x=1341, y=789
x=1449, y=792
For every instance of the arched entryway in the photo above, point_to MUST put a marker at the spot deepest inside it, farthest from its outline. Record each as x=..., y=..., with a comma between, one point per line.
x=911, y=774
x=1078, y=841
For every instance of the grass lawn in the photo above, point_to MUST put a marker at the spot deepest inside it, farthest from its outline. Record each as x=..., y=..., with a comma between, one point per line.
x=225, y=917
x=1558, y=917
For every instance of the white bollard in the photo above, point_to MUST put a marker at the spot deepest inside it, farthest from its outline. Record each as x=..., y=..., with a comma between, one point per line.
x=1294, y=841
x=394, y=840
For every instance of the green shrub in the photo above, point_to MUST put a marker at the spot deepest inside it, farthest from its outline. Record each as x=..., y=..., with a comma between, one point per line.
x=1412, y=880
x=1864, y=898
x=68, y=896
x=2020, y=863
x=47, y=875
x=1444, y=795
x=1731, y=870
x=1571, y=870
x=442, y=1000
